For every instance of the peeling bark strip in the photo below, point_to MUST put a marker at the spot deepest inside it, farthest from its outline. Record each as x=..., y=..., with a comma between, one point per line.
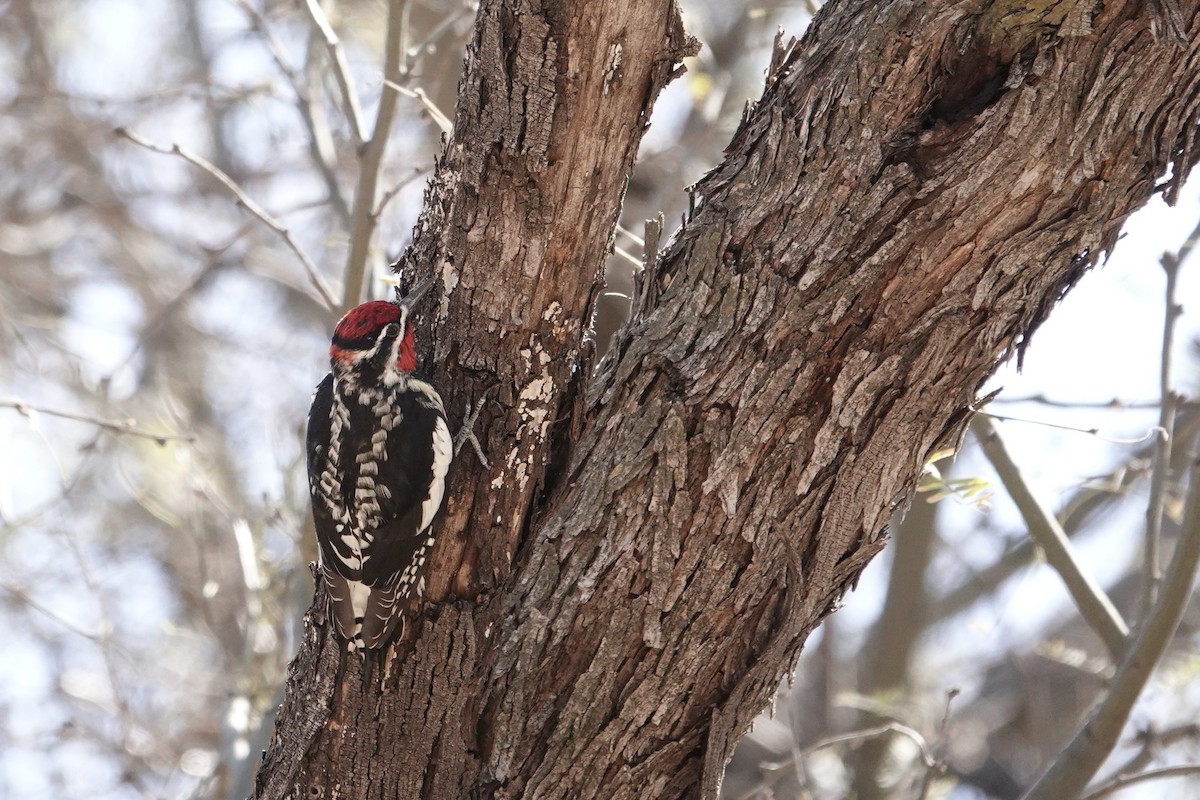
x=920, y=183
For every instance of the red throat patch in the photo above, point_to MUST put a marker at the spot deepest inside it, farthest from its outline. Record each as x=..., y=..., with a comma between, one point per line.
x=408, y=354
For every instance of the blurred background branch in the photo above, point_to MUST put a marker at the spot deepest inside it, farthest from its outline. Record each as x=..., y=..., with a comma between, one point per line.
x=1099, y=612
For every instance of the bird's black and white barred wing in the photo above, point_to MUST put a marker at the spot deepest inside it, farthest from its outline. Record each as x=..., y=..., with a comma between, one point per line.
x=328, y=503
x=410, y=487
x=322, y=474
x=396, y=484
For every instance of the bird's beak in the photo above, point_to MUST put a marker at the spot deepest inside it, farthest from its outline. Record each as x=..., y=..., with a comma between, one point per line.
x=415, y=293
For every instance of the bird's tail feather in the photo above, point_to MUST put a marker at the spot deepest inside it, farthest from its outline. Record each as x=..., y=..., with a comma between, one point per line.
x=381, y=617
x=374, y=626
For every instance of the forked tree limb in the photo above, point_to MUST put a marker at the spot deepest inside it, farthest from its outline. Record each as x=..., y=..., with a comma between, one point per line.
x=613, y=603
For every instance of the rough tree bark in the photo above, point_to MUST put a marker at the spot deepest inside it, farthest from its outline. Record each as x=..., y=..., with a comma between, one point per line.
x=618, y=597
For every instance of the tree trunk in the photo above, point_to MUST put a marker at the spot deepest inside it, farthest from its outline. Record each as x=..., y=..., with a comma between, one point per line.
x=616, y=599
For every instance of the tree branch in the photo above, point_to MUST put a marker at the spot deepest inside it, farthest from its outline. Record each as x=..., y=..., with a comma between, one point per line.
x=1152, y=433
x=1168, y=402
x=1071, y=771
x=320, y=140
x=1080, y=508
x=1122, y=781
x=1093, y=604
x=856, y=740
x=244, y=200
x=440, y=119
x=128, y=427
x=341, y=71
x=518, y=264
x=1152, y=742
x=371, y=159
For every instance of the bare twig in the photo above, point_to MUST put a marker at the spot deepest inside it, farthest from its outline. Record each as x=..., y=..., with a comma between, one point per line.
x=320, y=139
x=869, y=733
x=435, y=113
x=854, y=738
x=633, y=237
x=1155, y=431
x=1121, y=781
x=1152, y=743
x=628, y=256
x=1152, y=560
x=244, y=201
x=390, y=193
x=938, y=768
x=1069, y=773
x=372, y=155
x=1093, y=604
x=127, y=426
x=341, y=72
x=1115, y=404
x=108, y=648
x=23, y=597
x=1079, y=508
x=413, y=53
x=157, y=317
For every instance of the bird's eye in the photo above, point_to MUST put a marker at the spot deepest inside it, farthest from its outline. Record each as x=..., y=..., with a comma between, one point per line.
x=391, y=330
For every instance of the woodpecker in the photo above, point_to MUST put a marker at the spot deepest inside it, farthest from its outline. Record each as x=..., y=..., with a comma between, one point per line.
x=378, y=451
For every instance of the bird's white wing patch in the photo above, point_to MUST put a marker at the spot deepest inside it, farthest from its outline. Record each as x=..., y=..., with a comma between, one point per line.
x=443, y=451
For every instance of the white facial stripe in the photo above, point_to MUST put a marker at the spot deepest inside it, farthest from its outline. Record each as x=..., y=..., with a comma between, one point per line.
x=362, y=355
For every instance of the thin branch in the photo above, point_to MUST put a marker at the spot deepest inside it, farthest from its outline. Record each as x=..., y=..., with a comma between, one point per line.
x=938, y=768
x=633, y=237
x=1093, y=604
x=1152, y=432
x=416, y=51
x=320, y=139
x=628, y=256
x=127, y=426
x=168, y=308
x=372, y=155
x=341, y=72
x=390, y=193
x=245, y=202
x=1092, y=744
x=1121, y=781
x=1115, y=404
x=1152, y=560
x=1086, y=502
x=439, y=118
x=23, y=597
x=869, y=733
x=1152, y=743
x=853, y=738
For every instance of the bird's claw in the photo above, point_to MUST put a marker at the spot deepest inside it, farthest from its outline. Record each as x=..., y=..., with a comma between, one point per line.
x=467, y=433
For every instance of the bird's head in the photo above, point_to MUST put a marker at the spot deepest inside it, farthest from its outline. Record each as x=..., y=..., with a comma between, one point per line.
x=373, y=343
